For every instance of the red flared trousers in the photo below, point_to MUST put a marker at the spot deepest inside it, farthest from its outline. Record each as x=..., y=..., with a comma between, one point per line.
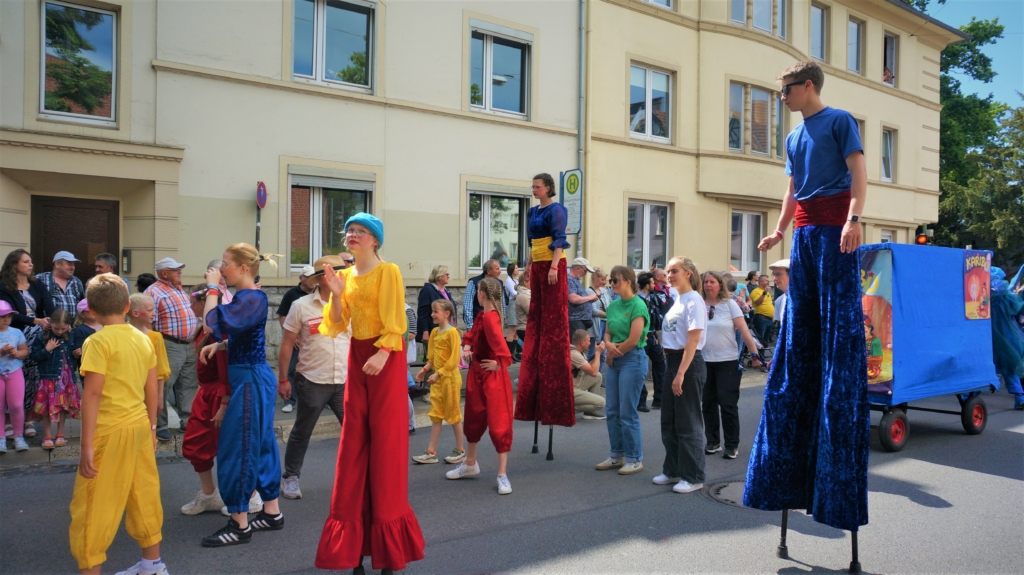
x=545, y=391
x=370, y=512
x=199, y=446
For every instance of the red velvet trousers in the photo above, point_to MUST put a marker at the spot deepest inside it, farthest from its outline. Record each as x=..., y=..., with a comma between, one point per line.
x=489, y=406
x=199, y=446
x=545, y=391
x=370, y=512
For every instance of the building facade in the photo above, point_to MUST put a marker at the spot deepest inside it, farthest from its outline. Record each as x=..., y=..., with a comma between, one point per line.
x=141, y=128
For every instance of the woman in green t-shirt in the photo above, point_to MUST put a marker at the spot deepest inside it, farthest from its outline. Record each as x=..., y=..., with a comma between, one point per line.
x=625, y=336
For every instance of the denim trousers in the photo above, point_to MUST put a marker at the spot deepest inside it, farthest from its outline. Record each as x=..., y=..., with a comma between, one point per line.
x=682, y=421
x=623, y=382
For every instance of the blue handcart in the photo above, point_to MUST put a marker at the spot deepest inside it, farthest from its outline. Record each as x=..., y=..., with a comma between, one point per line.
x=928, y=333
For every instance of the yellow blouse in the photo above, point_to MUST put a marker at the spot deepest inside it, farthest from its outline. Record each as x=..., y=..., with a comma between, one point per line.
x=443, y=351
x=374, y=304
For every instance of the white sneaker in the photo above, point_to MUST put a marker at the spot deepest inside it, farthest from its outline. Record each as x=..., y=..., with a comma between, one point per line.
x=631, y=467
x=137, y=570
x=464, y=470
x=288, y=408
x=686, y=487
x=290, y=488
x=610, y=463
x=20, y=444
x=504, y=487
x=203, y=502
x=255, y=505
x=665, y=480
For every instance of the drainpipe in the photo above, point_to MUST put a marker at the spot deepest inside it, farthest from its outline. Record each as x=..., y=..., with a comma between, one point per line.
x=581, y=120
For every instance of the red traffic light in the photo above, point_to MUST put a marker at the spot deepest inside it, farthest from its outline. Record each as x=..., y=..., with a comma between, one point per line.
x=922, y=239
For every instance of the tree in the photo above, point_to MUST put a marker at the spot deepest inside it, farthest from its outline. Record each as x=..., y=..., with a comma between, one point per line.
x=356, y=72
x=994, y=197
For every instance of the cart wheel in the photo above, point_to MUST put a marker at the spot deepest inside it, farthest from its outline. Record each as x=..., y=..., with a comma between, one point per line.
x=893, y=430
x=974, y=415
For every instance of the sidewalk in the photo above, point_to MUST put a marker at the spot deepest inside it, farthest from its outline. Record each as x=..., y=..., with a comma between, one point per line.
x=327, y=427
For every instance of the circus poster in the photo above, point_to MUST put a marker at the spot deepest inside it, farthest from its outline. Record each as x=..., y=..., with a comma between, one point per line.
x=977, y=279
x=876, y=301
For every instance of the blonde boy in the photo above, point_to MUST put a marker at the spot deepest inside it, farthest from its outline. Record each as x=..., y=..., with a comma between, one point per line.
x=117, y=468
x=140, y=316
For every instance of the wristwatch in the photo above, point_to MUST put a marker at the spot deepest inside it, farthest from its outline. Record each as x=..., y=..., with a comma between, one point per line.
x=854, y=218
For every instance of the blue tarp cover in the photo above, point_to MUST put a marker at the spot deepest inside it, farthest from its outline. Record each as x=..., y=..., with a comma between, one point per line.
x=936, y=350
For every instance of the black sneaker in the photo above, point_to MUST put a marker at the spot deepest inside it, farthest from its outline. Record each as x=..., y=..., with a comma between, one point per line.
x=418, y=391
x=709, y=449
x=730, y=453
x=266, y=522
x=655, y=405
x=230, y=534
x=164, y=435
x=643, y=408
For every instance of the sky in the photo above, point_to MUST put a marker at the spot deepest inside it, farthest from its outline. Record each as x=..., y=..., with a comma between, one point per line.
x=1007, y=53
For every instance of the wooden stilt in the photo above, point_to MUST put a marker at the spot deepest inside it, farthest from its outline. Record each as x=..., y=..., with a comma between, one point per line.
x=536, y=430
x=551, y=439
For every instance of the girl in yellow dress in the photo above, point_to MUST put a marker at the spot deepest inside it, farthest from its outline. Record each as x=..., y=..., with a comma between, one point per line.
x=446, y=383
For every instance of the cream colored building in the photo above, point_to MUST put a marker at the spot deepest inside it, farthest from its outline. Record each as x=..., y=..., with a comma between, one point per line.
x=685, y=135
x=336, y=105
x=145, y=133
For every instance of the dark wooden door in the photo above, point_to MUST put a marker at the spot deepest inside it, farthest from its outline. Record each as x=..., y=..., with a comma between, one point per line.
x=85, y=228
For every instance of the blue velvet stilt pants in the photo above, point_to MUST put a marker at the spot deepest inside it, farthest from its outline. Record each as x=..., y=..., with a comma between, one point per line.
x=247, y=456
x=811, y=447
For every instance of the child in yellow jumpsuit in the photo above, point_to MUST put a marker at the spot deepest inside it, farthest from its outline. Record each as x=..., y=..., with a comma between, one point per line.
x=117, y=468
x=443, y=353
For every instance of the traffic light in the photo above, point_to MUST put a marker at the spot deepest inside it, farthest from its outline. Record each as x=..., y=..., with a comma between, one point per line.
x=922, y=239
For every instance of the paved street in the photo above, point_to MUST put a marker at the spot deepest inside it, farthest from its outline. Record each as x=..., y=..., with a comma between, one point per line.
x=947, y=503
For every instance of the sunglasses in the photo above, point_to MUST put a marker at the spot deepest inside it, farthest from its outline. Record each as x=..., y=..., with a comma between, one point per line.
x=613, y=281
x=786, y=87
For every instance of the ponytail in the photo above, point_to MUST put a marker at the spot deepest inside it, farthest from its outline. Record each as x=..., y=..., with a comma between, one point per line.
x=493, y=290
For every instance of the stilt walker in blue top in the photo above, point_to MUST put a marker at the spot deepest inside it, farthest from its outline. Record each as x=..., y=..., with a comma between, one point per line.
x=811, y=447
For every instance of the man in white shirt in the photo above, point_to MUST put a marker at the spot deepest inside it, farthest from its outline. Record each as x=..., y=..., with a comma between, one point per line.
x=780, y=273
x=320, y=373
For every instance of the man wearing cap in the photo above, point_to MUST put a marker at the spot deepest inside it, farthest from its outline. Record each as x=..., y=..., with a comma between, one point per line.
x=320, y=371
x=471, y=307
x=174, y=319
x=780, y=273
x=64, y=288
x=581, y=312
x=307, y=284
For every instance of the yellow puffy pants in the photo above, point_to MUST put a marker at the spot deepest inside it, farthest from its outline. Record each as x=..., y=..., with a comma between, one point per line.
x=127, y=480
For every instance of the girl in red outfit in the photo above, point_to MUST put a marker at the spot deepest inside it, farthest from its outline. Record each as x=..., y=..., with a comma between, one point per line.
x=488, y=387
x=370, y=513
x=199, y=445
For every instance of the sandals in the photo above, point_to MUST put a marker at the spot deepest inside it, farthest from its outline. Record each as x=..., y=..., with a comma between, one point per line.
x=48, y=443
x=60, y=441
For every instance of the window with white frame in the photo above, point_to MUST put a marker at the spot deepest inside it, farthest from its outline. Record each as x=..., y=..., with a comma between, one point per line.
x=769, y=16
x=647, y=234
x=649, y=103
x=891, y=59
x=499, y=75
x=855, y=46
x=78, y=77
x=888, y=155
x=747, y=232
x=333, y=42
x=888, y=236
x=819, y=32
x=663, y=3
x=758, y=102
x=494, y=232
x=319, y=209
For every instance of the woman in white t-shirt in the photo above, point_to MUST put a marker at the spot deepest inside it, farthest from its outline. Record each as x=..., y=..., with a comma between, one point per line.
x=722, y=388
x=682, y=421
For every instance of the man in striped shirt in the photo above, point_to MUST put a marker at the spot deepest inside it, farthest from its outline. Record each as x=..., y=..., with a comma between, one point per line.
x=178, y=325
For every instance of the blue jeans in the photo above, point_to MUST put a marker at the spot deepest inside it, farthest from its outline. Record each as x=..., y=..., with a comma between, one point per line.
x=623, y=382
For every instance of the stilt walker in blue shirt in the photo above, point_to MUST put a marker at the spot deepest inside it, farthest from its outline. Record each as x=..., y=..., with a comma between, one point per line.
x=811, y=447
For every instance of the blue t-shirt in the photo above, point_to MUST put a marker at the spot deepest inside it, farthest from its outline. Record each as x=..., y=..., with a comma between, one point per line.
x=816, y=153
x=14, y=338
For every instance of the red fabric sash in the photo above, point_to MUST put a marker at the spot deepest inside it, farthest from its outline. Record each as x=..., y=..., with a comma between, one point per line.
x=828, y=211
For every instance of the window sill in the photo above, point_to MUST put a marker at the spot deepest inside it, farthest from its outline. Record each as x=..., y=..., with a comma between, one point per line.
x=502, y=113
x=652, y=139
x=334, y=85
x=77, y=120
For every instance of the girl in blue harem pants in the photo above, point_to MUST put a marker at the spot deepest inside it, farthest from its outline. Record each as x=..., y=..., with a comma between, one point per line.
x=811, y=447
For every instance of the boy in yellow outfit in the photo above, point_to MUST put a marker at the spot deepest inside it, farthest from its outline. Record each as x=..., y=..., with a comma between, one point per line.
x=140, y=316
x=443, y=352
x=117, y=468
